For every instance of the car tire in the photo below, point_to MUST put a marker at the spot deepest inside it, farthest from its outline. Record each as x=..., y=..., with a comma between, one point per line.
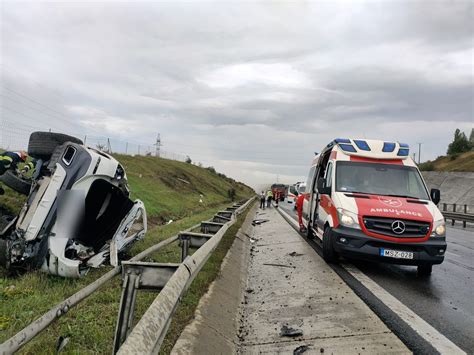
x=16, y=183
x=329, y=254
x=425, y=270
x=43, y=144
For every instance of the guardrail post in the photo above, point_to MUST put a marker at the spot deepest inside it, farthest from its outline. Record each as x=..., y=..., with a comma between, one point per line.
x=454, y=210
x=184, y=246
x=464, y=223
x=127, y=307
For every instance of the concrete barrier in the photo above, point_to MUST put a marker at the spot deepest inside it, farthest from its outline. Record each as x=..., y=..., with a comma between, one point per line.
x=456, y=187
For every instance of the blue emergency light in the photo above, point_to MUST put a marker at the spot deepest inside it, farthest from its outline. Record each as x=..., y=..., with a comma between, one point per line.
x=362, y=145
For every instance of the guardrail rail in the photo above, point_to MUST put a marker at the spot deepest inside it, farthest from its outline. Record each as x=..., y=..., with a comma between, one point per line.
x=172, y=280
x=456, y=215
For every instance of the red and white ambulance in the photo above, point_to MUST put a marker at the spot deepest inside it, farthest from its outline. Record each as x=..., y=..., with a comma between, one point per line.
x=366, y=199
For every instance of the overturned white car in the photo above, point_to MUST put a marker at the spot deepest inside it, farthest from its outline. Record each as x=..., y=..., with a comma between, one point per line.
x=78, y=213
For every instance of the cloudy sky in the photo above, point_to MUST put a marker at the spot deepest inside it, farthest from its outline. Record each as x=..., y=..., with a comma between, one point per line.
x=253, y=89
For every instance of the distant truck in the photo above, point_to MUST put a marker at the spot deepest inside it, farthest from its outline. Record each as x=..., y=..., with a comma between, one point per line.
x=281, y=190
x=366, y=199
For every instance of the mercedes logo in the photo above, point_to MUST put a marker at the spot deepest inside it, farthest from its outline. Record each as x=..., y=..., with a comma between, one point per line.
x=398, y=227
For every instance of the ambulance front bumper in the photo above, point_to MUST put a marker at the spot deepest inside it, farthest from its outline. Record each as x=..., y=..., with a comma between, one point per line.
x=353, y=243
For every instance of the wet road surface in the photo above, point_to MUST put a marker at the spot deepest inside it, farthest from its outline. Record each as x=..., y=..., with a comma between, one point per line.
x=446, y=299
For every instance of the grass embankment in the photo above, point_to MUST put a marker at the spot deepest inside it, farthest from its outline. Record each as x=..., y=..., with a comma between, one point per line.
x=455, y=162
x=90, y=326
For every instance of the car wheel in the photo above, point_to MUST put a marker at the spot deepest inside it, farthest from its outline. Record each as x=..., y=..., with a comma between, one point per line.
x=43, y=144
x=329, y=253
x=16, y=183
x=425, y=270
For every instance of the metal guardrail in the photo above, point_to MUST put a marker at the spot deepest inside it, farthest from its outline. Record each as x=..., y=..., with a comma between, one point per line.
x=457, y=216
x=453, y=212
x=14, y=343
x=151, y=329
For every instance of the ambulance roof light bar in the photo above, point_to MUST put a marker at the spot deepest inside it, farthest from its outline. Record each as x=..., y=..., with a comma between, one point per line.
x=387, y=149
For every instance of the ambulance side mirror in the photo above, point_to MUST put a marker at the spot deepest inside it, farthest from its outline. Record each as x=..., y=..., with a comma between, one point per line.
x=435, y=195
x=322, y=188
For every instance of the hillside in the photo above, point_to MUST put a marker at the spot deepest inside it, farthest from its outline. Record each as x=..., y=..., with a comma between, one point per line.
x=457, y=162
x=169, y=189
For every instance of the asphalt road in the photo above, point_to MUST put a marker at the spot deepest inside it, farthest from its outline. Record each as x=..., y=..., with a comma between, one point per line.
x=446, y=299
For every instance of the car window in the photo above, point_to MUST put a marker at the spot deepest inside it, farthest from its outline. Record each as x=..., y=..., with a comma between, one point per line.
x=328, y=175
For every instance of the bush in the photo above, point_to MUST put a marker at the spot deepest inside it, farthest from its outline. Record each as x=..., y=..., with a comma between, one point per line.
x=460, y=143
x=427, y=166
x=211, y=169
x=454, y=156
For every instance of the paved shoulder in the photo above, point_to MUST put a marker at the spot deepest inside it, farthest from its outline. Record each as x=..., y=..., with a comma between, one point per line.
x=295, y=301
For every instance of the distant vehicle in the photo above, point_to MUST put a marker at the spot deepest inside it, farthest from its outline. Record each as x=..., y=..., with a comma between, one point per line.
x=78, y=213
x=292, y=194
x=366, y=199
x=280, y=189
x=300, y=189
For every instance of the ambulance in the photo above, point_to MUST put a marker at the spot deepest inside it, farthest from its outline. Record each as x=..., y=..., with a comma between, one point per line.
x=366, y=199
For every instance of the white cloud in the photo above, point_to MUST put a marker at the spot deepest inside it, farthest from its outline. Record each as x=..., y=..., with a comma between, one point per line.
x=280, y=75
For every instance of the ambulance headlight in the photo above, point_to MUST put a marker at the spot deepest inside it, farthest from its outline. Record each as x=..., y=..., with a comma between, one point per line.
x=439, y=229
x=348, y=219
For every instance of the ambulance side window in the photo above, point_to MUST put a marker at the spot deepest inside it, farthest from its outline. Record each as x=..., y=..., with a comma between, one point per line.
x=328, y=175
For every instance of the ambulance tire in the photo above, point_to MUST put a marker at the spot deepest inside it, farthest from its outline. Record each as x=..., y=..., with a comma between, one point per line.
x=43, y=144
x=424, y=270
x=329, y=254
x=16, y=183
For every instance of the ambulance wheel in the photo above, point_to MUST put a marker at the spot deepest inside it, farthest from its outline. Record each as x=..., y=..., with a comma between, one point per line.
x=425, y=270
x=43, y=144
x=329, y=255
x=16, y=183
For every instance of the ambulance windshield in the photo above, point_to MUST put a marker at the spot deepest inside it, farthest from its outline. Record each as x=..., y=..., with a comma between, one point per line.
x=380, y=179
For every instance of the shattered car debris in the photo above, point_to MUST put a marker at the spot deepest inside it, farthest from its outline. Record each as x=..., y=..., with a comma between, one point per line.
x=78, y=213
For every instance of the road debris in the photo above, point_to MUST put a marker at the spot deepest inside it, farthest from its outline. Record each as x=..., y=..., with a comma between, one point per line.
x=287, y=331
x=294, y=253
x=61, y=344
x=280, y=265
x=301, y=349
x=257, y=222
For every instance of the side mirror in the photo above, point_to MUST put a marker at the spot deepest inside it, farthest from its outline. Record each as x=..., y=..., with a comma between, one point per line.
x=322, y=188
x=435, y=195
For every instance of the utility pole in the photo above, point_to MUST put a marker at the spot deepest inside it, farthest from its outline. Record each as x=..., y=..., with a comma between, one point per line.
x=419, y=152
x=158, y=145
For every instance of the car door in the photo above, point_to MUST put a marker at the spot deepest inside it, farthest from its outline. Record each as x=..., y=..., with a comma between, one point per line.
x=324, y=201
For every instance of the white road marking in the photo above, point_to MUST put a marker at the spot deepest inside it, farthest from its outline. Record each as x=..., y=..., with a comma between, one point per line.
x=418, y=324
x=426, y=331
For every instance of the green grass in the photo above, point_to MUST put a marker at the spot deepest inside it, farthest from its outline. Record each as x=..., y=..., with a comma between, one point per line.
x=456, y=162
x=90, y=326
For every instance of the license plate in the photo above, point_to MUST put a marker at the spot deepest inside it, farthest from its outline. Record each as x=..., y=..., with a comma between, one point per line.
x=396, y=254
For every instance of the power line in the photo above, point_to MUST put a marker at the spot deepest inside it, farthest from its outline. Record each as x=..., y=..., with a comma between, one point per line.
x=33, y=108
x=34, y=101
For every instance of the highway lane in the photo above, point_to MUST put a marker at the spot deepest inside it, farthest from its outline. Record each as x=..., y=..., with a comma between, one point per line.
x=446, y=299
